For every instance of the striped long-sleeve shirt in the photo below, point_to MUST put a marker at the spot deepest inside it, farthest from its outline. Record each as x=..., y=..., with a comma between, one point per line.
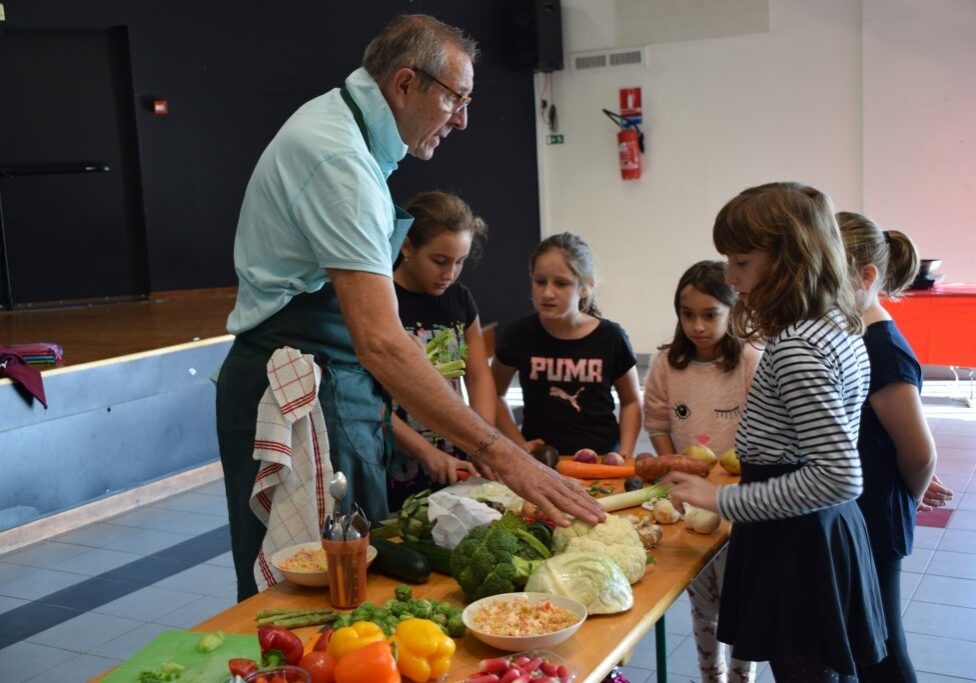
x=804, y=407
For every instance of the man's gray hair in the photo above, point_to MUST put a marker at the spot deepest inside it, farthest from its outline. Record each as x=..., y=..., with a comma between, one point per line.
x=414, y=40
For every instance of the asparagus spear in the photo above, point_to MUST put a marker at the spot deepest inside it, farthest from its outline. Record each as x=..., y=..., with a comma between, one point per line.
x=292, y=617
x=264, y=613
x=310, y=619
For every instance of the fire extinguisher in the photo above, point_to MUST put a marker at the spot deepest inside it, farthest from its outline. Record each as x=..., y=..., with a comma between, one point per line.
x=630, y=146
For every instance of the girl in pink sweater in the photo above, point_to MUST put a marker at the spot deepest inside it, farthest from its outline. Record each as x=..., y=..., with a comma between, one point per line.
x=694, y=394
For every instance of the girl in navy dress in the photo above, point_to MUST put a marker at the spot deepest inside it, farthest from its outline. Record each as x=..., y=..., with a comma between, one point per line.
x=897, y=450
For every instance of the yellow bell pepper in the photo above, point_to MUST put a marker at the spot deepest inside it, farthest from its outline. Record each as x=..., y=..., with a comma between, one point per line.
x=350, y=638
x=424, y=651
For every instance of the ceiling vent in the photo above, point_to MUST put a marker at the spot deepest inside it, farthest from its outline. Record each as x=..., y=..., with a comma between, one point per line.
x=608, y=59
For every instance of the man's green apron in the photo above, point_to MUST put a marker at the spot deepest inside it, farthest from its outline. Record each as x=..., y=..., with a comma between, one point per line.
x=354, y=404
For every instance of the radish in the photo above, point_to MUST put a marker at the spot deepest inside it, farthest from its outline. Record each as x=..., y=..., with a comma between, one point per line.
x=612, y=458
x=498, y=665
x=549, y=669
x=511, y=675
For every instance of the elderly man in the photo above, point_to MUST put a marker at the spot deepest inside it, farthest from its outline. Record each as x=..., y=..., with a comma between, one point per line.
x=317, y=236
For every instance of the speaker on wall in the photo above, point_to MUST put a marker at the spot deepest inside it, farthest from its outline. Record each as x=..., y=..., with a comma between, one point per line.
x=537, y=35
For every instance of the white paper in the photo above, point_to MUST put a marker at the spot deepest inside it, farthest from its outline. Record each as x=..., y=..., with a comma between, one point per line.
x=454, y=516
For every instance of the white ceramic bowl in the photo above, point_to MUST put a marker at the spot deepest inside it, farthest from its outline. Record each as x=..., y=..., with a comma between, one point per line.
x=309, y=578
x=516, y=643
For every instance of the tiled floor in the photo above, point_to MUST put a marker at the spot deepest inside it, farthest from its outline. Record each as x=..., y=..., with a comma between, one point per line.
x=121, y=556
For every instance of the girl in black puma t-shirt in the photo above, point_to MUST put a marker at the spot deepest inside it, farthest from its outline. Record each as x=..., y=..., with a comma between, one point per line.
x=568, y=359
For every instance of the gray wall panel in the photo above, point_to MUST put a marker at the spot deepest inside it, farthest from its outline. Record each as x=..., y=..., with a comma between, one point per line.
x=83, y=388
x=119, y=425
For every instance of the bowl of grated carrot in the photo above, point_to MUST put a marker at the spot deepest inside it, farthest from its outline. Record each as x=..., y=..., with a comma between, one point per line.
x=305, y=563
x=523, y=621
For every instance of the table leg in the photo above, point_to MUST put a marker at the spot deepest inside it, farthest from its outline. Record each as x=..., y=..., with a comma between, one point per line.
x=661, y=646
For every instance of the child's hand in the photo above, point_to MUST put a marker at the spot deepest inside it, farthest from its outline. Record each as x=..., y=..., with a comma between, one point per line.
x=936, y=495
x=443, y=468
x=690, y=488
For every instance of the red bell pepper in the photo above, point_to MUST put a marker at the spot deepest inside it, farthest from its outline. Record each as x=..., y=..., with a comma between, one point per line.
x=276, y=639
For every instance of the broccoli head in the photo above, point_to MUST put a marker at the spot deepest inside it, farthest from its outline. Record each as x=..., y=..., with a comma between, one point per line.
x=495, y=559
x=499, y=580
x=511, y=521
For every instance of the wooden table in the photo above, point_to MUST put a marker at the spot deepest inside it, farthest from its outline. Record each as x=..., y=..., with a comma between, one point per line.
x=603, y=641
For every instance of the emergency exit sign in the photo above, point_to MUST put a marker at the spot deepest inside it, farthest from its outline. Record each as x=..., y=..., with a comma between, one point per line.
x=554, y=139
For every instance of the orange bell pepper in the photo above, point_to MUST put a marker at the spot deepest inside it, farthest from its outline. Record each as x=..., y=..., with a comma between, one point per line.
x=373, y=663
x=351, y=638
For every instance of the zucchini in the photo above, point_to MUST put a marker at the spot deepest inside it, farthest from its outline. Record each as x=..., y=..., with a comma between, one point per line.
x=438, y=558
x=399, y=562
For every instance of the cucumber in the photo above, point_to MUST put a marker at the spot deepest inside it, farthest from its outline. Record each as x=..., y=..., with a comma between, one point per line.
x=438, y=558
x=399, y=562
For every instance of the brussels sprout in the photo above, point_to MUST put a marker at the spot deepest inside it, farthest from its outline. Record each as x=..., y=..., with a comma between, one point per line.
x=633, y=483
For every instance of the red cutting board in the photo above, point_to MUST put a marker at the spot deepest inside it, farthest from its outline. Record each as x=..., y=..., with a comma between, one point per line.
x=181, y=647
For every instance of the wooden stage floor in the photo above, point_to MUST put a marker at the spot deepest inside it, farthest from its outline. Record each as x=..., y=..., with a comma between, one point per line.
x=97, y=332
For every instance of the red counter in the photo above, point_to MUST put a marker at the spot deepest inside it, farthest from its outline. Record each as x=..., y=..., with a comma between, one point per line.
x=940, y=323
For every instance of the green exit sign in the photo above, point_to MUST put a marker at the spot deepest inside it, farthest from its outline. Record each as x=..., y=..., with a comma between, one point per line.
x=555, y=139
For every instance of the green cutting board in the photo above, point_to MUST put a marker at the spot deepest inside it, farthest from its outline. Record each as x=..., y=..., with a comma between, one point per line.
x=181, y=647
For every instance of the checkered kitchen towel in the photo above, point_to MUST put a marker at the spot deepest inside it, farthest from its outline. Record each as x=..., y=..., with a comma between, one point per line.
x=289, y=493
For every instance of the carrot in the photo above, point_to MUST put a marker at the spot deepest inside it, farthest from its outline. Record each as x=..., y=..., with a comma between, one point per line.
x=592, y=470
x=650, y=467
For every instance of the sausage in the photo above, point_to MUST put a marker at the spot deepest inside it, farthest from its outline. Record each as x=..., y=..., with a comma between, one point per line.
x=650, y=467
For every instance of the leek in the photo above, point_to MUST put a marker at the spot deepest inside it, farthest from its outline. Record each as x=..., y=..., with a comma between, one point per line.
x=630, y=499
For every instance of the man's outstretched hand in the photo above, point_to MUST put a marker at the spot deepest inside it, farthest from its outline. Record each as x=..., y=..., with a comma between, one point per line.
x=555, y=496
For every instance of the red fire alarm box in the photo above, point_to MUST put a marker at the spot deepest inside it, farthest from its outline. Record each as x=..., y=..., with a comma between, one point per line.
x=160, y=107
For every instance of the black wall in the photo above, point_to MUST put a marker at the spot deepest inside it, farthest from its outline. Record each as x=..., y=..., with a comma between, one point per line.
x=233, y=71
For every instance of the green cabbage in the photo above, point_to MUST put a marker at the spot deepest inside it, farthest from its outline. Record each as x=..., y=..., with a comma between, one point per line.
x=592, y=579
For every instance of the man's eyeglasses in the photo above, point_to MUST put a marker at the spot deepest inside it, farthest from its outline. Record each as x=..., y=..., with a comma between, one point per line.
x=462, y=100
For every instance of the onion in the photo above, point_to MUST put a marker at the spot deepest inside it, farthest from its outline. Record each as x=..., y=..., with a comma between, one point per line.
x=585, y=455
x=700, y=520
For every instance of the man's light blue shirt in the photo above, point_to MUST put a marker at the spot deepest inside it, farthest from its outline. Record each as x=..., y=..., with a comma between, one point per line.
x=317, y=199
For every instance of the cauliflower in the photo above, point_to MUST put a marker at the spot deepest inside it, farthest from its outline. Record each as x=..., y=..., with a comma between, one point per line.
x=616, y=537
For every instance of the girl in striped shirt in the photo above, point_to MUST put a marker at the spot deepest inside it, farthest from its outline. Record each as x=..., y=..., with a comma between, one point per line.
x=800, y=587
